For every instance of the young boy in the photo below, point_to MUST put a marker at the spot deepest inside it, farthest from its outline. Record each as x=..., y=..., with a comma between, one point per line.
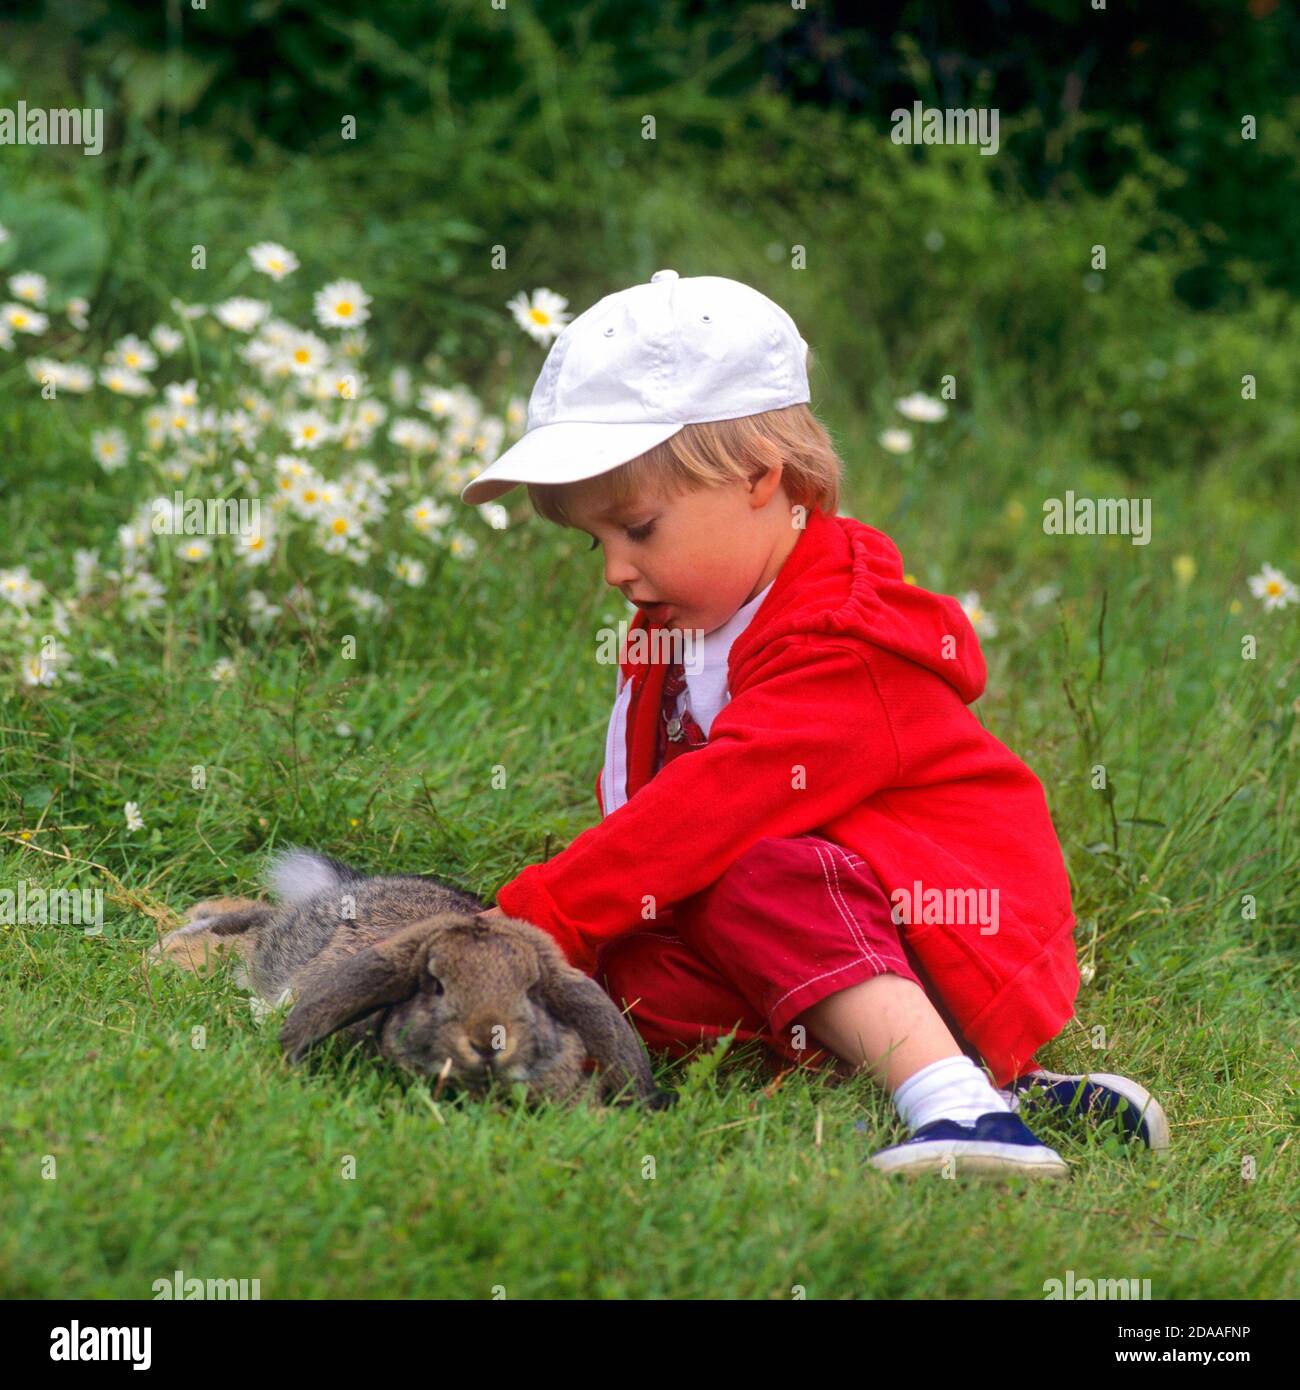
x=805, y=830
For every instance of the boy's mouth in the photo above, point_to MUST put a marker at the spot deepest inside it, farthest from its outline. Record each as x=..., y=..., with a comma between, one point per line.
x=654, y=611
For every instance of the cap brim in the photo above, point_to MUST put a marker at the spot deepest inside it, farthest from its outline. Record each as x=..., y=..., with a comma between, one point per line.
x=565, y=452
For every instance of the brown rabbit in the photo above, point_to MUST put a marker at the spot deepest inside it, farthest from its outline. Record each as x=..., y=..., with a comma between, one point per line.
x=403, y=963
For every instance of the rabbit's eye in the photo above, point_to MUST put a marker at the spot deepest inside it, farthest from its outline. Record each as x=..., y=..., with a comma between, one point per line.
x=436, y=983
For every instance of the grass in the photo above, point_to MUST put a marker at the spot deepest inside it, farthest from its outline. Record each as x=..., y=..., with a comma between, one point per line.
x=128, y=1151
x=222, y=1161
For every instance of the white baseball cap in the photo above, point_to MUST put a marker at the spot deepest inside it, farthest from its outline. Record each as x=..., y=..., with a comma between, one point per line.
x=637, y=366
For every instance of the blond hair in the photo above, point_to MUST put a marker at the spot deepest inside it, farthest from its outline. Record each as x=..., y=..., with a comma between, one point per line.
x=716, y=452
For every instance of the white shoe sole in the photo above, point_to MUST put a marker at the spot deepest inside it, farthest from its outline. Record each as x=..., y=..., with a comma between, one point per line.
x=973, y=1157
x=1141, y=1100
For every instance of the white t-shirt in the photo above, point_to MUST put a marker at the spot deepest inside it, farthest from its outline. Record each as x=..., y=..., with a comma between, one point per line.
x=705, y=694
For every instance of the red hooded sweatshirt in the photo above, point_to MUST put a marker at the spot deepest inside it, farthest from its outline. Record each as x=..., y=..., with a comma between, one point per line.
x=848, y=718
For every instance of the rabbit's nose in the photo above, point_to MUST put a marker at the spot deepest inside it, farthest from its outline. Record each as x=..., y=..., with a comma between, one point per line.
x=485, y=1050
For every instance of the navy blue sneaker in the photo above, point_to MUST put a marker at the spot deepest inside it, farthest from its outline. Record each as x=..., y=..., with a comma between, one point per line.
x=996, y=1145
x=1099, y=1093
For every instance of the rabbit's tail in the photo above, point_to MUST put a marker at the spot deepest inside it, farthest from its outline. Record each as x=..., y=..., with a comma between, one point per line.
x=294, y=875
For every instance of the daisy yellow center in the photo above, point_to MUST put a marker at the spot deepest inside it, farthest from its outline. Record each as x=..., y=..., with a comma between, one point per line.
x=109, y=449
x=301, y=355
x=178, y=422
x=308, y=431
x=18, y=319
x=339, y=525
x=132, y=359
x=309, y=495
x=275, y=264
x=343, y=308
x=285, y=485
x=1273, y=587
x=539, y=316
x=256, y=543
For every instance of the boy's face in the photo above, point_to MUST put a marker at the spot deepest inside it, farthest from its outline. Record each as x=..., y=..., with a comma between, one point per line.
x=701, y=554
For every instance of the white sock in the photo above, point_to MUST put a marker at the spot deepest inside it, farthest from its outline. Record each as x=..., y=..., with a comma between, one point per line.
x=953, y=1088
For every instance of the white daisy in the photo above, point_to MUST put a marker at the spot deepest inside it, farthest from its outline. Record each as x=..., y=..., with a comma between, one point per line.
x=340, y=530
x=24, y=320
x=273, y=259
x=241, y=313
x=18, y=586
x=132, y=812
x=1274, y=588
x=896, y=441
x=142, y=594
x=194, y=549
x=304, y=355
x=542, y=316
x=461, y=545
x=341, y=304
x=85, y=568
x=408, y=570
x=78, y=312
x=399, y=385
x=166, y=338
x=182, y=393
x=426, y=515
x=132, y=353
x=29, y=287
x=39, y=669
x=414, y=435
x=919, y=406
x=364, y=601
x=307, y=429
x=188, y=311
x=261, y=612
x=982, y=622
x=124, y=382
x=353, y=345
x=223, y=671
x=109, y=448
x=256, y=549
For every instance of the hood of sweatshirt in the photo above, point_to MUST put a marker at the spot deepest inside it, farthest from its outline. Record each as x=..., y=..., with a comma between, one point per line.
x=845, y=579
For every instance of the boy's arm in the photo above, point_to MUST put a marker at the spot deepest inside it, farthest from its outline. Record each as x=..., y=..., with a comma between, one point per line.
x=805, y=742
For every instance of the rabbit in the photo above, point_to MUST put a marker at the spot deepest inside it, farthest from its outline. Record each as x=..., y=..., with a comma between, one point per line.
x=402, y=962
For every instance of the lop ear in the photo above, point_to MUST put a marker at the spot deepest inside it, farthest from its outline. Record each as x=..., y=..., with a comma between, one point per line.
x=577, y=1001
x=344, y=991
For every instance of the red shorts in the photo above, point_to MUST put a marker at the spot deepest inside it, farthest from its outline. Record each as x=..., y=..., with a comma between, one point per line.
x=792, y=921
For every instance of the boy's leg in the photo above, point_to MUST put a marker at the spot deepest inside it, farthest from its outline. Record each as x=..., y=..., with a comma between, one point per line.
x=796, y=917
x=886, y=1024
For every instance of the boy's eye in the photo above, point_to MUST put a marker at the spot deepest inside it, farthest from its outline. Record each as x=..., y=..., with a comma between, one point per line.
x=634, y=533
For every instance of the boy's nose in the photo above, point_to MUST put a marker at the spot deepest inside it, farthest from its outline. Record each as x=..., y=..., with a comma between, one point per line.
x=620, y=574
